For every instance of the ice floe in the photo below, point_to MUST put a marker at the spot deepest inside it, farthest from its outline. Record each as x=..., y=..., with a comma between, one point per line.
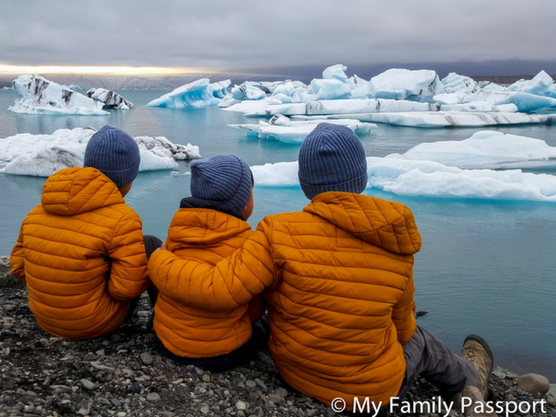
x=486, y=149
x=200, y=93
x=282, y=128
x=433, y=170
x=110, y=99
x=42, y=155
x=41, y=96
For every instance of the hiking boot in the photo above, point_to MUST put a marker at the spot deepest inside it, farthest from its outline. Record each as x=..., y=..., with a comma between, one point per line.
x=478, y=352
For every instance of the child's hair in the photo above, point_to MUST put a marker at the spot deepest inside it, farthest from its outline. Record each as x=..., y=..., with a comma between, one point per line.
x=332, y=158
x=224, y=180
x=114, y=153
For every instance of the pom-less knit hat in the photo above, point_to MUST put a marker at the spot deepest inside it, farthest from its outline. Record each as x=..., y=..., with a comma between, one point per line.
x=332, y=158
x=224, y=180
x=114, y=153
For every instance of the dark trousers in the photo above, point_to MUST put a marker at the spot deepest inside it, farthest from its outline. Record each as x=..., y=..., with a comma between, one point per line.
x=428, y=357
x=152, y=243
x=240, y=356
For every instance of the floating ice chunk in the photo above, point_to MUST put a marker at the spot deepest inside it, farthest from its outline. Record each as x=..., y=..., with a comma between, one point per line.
x=42, y=155
x=402, y=84
x=41, y=96
x=250, y=91
x=451, y=119
x=486, y=149
x=110, y=99
x=455, y=83
x=329, y=89
x=431, y=179
x=335, y=72
x=285, y=130
x=542, y=84
x=200, y=93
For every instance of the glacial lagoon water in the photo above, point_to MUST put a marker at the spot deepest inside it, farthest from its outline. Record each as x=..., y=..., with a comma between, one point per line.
x=487, y=267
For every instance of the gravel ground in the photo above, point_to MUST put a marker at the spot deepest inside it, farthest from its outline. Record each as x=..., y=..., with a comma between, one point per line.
x=122, y=375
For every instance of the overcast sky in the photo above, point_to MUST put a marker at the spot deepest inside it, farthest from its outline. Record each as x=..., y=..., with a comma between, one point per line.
x=228, y=34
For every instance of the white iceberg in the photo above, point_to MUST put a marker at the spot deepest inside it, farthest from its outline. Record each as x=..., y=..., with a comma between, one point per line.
x=542, y=85
x=451, y=119
x=486, y=150
x=110, y=99
x=200, y=93
x=403, y=84
x=41, y=96
x=430, y=179
x=282, y=128
x=42, y=155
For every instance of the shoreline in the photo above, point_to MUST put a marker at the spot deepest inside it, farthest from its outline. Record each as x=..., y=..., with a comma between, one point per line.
x=123, y=375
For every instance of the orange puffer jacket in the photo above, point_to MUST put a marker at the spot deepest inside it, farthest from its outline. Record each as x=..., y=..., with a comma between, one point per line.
x=81, y=254
x=207, y=236
x=340, y=292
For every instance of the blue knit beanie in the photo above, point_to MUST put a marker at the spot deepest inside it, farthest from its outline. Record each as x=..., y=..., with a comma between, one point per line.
x=224, y=180
x=114, y=153
x=332, y=158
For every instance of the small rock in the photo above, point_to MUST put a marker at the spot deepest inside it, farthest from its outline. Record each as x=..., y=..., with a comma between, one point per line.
x=282, y=392
x=551, y=401
x=153, y=397
x=275, y=398
x=240, y=405
x=85, y=409
x=533, y=383
x=250, y=384
x=205, y=409
x=121, y=414
x=146, y=358
x=310, y=413
x=88, y=385
x=206, y=377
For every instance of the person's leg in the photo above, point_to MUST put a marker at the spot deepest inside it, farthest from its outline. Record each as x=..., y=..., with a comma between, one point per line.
x=428, y=357
x=152, y=243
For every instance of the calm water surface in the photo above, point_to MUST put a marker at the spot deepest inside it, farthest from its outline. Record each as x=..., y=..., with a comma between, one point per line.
x=487, y=267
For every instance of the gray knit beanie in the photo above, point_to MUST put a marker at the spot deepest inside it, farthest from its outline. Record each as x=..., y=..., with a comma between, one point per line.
x=332, y=158
x=114, y=153
x=225, y=180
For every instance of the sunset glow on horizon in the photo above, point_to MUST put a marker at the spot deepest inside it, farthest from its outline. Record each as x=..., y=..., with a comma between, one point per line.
x=114, y=70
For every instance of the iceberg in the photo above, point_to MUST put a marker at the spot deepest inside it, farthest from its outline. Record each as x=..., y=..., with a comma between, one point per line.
x=542, y=85
x=282, y=128
x=110, y=99
x=403, y=84
x=486, y=150
x=200, y=93
x=42, y=155
x=430, y=179
x=451, y=119
x=41, y=96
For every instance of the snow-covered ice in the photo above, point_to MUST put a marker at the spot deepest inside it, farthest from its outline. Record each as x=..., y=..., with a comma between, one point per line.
x=42, y=155
x=451, y=119
x=486, y=150
x=200, y=93
x=41, y=96
x=282, y=128
x=435, y=169
x=110, y=99
x=403, y=84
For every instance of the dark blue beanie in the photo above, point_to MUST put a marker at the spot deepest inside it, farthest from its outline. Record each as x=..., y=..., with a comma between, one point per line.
x=332, y=158
x=224, y=180
x=114, y=153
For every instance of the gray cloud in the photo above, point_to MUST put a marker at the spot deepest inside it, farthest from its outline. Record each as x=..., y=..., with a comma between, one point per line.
x=225, y=34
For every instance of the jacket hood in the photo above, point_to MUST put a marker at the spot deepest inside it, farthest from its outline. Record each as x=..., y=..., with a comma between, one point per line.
x=73, y=191
x=385, y=224
x=202, y=227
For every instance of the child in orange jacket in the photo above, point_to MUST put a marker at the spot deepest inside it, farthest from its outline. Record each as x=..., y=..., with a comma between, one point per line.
x=81, y=250
x=208, y=227
x=338, y=280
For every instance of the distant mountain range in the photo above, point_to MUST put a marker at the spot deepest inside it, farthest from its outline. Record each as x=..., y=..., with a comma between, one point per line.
x=506, y=72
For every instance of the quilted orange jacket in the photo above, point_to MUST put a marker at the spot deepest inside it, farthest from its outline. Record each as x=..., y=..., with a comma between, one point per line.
x=339, y=288
x=207, y=236
x=81, y=254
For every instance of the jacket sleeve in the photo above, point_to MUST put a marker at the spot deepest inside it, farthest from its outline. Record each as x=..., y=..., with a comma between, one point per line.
x=257, y=308
x=232, y=282
x=128, y=275
x=403, y=314
x=17, y=264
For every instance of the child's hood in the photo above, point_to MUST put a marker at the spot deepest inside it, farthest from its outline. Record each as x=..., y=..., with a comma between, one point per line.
x=386, y=224
x=73, y=191
x=203, y=227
